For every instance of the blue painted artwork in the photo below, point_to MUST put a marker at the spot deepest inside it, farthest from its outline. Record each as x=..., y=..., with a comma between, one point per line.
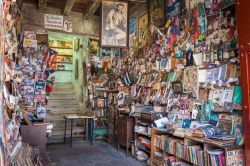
x=132, y=26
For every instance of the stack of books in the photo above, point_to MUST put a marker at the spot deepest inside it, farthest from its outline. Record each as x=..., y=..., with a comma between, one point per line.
x=216, y=157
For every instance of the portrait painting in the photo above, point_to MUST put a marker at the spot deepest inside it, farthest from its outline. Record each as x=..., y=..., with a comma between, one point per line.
x=93, y=47
x=143, y=29
x=114, y=31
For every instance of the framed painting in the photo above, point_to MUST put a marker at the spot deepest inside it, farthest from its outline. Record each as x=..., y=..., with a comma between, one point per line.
x=76, y=44
x=94, y=48
x=114, y=21
x=157, y=12
x=143, y=29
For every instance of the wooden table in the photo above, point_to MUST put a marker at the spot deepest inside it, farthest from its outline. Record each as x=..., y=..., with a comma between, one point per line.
x=88, y=122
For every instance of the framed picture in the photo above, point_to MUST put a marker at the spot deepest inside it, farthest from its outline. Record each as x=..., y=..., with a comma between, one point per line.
x=143, y=29
x=157, y=12
x=105, y=52
x=116, y=52
x=93, y=47
x=114, y=30
x=76, y=44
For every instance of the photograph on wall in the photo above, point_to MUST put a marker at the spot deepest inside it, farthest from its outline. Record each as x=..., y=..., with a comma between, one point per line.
x=76, y=44
x=143, y=29
x=114, y=31
x=93, y=47
x=157, y=12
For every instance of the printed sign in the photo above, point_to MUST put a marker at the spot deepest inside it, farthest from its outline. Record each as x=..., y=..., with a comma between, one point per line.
x=68, y=26
x=30, y=43
x=235, y=157
x=53, y=21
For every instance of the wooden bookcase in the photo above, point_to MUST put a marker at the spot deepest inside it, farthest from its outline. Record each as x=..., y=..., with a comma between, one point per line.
x=205, y=144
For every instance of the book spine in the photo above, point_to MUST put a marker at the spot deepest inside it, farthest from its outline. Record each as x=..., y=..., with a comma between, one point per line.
x=221, y=160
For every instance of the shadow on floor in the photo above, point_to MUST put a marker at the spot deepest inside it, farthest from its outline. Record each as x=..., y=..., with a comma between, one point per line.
x=84, y=154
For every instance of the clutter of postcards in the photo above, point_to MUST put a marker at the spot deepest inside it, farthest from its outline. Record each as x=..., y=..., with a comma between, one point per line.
x=25, y=74
x=192, y=73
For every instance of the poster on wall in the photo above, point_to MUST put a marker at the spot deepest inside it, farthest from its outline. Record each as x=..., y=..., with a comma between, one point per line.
x=67, y=26
x=53, y=21
x=114, y=31
x=157, y=12
x=143, y=29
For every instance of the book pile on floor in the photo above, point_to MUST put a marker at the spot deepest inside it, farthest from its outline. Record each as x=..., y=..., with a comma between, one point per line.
x=23, y=154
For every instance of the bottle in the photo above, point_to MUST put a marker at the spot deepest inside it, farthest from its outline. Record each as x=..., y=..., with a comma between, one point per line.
x=133, y=149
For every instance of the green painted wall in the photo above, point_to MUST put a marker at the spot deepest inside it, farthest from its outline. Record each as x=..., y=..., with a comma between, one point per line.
x=79, y=56
x=62, y=76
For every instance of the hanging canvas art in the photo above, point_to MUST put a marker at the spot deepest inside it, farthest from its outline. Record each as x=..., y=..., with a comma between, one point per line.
x=157, y=12
x=143, y=29
x=114, y=31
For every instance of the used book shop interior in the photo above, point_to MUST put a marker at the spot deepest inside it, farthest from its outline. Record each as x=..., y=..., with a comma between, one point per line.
x=124, y=82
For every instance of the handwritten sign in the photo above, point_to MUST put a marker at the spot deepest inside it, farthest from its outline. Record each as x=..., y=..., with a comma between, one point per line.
x=53, y=22
x=68, y=26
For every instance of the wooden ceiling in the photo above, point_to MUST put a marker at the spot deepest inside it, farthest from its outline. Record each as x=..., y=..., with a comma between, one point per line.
x=87, y=7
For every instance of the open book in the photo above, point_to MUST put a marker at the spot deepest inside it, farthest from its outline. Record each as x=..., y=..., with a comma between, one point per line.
x=212, y=131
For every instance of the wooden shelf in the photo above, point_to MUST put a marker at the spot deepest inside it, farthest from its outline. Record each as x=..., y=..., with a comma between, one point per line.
x=66, y=55
x=62, y=48
x=100, y=128
x=64, y=70
x=63, y=62
x=142, y=133
x=204, y=143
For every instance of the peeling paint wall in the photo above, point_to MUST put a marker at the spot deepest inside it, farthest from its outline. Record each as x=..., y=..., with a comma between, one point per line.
x=34, y=20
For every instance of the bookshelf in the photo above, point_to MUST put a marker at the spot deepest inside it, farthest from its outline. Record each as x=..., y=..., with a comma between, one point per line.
x=190, y=150
x=142, y=133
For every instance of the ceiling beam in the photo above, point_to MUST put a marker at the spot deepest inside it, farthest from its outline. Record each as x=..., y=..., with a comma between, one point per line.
x=92, y=7
x=68, y=6
x=41, y=5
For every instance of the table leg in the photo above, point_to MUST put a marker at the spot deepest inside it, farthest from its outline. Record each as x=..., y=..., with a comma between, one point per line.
x=71, y=130
x=90, y=131
x=85, y=128
x=65, y=130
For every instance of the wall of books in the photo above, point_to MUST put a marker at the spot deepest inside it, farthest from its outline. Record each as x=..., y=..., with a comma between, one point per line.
x=185, y=66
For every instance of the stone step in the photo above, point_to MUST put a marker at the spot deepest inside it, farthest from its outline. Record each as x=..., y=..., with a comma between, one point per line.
x=60, y=106
x=61, y=126
x=59, y=139
x=62, y=97
x=76, y=131
x=61, y=88
x=52, y=103
x=56, y=93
